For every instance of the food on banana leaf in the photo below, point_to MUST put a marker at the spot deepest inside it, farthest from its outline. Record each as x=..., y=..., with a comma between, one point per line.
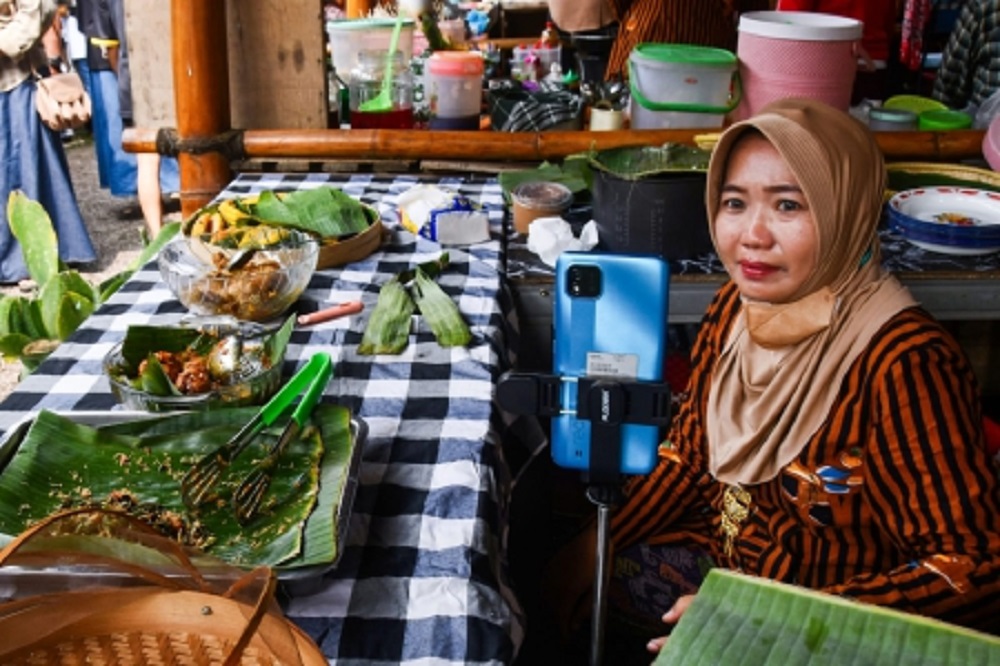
x=260, y=221
x=160, y=368
x=738, y=619
x=137, y=466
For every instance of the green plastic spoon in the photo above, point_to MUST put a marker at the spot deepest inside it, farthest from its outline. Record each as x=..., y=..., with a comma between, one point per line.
x=383, y=101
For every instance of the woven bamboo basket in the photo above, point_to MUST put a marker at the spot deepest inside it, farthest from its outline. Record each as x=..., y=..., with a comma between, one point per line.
x=937, y=173
x=175, y=615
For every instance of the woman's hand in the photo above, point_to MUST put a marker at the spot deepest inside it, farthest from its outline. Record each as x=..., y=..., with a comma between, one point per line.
x=670, y=617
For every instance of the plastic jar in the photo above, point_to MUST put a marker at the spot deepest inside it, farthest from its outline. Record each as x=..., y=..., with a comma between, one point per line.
x=537, y=199
x=455, y=90
x=946, y=119
x=892, y=120
x=366, y=84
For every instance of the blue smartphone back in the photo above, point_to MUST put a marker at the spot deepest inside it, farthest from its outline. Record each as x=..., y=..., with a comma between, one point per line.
x=610, y=321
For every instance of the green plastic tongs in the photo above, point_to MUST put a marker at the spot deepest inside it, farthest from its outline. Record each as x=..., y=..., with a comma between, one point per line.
x=197, y=484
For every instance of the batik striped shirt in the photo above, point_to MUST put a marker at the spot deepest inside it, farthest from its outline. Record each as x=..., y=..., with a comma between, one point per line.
x=699, y=22
x=893, y=501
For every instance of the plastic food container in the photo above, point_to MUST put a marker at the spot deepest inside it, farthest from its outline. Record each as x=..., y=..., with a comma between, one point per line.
x=538, y=199
x=944, y=119
x=350, y=37
x=534, y=64
x=455, y=90
x=892, y=120
x=796, y=54
x=678, y=85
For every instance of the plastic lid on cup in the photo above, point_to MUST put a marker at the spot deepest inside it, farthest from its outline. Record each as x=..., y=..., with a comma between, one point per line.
x=455, y=63
x=543, y=195
x=944, y=119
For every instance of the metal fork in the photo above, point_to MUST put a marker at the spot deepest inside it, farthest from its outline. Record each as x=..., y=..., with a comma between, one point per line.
x=197, y=483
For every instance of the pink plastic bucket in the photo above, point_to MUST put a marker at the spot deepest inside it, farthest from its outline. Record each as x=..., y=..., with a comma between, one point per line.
x=796, y=54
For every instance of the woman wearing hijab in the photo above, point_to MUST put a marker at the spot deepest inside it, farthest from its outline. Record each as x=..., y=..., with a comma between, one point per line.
x=831, y=433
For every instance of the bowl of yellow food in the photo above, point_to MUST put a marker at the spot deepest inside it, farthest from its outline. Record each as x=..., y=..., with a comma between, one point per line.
x=346, y=229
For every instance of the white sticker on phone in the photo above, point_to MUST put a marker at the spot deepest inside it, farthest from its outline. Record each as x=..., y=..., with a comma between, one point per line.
x=619, y=366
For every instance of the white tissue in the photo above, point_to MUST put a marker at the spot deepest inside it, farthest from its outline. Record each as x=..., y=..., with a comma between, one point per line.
x=548, y=237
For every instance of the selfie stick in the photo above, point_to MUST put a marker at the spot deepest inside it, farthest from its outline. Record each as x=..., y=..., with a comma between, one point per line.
x=608, y=404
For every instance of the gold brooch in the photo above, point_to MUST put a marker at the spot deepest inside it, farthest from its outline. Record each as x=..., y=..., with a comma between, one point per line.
x=735, y=508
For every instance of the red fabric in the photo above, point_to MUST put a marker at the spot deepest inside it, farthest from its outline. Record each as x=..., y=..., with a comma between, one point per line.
x=915, y=15
x=992, y=431
x=878, y=17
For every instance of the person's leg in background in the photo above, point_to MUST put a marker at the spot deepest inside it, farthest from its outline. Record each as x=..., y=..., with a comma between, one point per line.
x=158, y=177
x=150, y=200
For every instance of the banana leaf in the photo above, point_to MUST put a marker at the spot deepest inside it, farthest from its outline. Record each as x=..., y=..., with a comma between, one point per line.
x=325, y=211
x=637, y=162
x=738, y=619
x=440, y=312
x=63, y=463
x=388, y=328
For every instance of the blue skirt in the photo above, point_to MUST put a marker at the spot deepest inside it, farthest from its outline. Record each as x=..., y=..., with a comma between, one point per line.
x=32, y=160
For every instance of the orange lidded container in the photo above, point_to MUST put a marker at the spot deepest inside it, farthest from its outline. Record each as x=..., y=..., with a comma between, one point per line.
x=455, y=89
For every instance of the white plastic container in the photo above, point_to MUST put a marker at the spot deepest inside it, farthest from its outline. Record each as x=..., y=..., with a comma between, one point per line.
x=454, y=89
x=351, y=36
x=796, y=54
x=681, y=86
x=534, y=64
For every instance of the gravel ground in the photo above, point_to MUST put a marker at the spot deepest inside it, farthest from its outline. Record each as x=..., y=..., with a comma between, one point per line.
x=114, y=225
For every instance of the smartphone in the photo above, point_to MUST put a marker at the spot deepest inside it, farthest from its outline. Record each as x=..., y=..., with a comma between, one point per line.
x=610, y=321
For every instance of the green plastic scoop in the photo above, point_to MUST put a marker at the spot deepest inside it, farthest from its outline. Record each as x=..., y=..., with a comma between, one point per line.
x=383, y=101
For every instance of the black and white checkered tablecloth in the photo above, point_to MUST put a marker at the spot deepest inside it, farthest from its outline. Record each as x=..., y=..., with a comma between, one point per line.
x=422, y=575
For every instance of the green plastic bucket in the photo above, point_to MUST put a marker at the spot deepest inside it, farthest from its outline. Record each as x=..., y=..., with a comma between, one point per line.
x=682, y=86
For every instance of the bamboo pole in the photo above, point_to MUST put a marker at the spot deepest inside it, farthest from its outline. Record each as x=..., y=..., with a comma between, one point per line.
x=527, y=146
x=201, y=94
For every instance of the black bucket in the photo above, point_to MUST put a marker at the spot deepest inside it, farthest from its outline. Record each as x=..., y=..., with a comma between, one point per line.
x=662, y=214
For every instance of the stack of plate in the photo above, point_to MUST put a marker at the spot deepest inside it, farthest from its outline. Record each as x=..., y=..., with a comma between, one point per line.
x=950, y=220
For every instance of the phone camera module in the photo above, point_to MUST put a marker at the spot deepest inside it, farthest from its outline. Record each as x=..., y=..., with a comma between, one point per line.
x=584, y=281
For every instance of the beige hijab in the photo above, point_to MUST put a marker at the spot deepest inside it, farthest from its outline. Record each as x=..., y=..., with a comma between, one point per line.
x=782, y=365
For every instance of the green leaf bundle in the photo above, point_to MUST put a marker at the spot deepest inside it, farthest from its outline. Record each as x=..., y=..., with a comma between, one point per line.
x=737, y=619
x=388, y=327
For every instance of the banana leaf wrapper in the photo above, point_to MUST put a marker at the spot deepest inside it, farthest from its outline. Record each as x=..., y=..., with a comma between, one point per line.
x=440, y=312
x=388, y=328
x=738, y=619
x=63, y=463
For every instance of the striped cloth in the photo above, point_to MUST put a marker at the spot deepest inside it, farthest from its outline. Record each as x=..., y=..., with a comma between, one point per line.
x=970, y=62
x=894, y=500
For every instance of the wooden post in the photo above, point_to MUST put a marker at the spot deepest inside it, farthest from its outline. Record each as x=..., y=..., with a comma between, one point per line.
x=201, y=88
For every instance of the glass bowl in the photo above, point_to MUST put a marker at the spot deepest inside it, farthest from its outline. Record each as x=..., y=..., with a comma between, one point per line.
x=251, y=377
x=210, y=280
